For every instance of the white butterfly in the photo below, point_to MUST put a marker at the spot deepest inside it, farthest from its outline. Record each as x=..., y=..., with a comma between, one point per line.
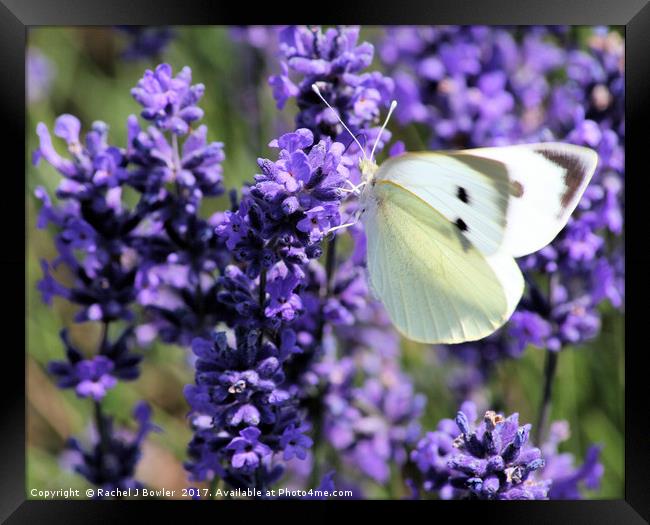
x=443, y=229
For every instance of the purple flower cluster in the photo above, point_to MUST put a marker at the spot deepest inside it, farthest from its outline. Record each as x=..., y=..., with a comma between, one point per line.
x=40, y=73
x=275, y=230
x=472, y=85
x=159, y=253
x=374, y=424
x=588, y=109
x=492, y=460
x=568, y=481
x=145, y=41
x=93, y=225
x=110, y=462
x=495, y=460
x=93, y=238
x=287, y=212
x=179, y=250
x=333, y=60
x=94, y=377
x=169, y=102
x=242, y=415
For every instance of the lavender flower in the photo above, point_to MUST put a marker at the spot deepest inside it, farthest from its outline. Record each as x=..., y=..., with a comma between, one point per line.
x=94, y=377
x=374, y=424
x=496, y=461
x=110, y=462
x=93, y=223
x=170, y=102
x=491, y=460
x=267, y=238
x=333, y=60
x=240, y=412
x=292, y=205
x=179, y=251
x=40, y=74
x=568, y=480
x=160, y=252
x=144, y=41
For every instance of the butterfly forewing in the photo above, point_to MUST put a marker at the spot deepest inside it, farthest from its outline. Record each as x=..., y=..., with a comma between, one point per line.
x=514, y=199
x=547, y=180
x=470, y=192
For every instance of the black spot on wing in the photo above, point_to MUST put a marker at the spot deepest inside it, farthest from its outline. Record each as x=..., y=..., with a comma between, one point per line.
x=462, y=228
x=574, y=172
x=461, y=193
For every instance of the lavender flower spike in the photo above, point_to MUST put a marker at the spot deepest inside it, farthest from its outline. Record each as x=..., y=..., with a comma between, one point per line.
x=491, y=460
x=170, y=102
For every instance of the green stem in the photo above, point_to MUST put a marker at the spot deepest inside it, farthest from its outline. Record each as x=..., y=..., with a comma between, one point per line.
x=317, y=409
x=176, y=155
x=100, y=419
x=550, y=367
x=214, y=485
x=330, y=264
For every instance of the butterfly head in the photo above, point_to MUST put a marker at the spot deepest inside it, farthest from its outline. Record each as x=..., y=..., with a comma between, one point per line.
x=367, y=167
x=367, y=164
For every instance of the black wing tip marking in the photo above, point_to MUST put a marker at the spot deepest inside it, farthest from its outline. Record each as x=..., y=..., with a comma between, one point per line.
x=575, y=172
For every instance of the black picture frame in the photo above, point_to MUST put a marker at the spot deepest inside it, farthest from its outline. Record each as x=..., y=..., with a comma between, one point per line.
x=17, y=15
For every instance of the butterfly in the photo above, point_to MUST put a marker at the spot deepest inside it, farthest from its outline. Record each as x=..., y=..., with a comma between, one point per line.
x=443, y=229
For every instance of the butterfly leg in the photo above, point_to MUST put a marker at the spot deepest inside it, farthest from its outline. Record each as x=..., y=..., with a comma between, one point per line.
x=357, y=215
x=355, y=189
x=341, y=226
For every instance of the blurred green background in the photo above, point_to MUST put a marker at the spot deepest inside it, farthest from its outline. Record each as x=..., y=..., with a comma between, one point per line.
x=92, y=81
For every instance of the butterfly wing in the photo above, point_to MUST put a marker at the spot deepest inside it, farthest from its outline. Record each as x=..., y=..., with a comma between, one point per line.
x=436, y=286
x=468, y=190
x=514, y=199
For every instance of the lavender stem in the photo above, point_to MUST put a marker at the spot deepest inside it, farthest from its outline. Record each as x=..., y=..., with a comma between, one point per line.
x=550, y=367
x=100, y=420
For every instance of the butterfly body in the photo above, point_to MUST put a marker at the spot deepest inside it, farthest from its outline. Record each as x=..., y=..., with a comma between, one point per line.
x=443, y=229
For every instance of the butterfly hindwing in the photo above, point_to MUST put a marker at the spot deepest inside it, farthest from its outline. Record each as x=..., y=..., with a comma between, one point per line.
x=436, y=286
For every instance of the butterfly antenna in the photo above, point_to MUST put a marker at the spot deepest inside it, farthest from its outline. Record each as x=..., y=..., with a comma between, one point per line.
x=361, y=134
x=314, y=87
x=393, y=105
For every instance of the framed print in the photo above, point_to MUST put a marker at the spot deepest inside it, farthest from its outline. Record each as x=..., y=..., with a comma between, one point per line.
x=352, y=263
